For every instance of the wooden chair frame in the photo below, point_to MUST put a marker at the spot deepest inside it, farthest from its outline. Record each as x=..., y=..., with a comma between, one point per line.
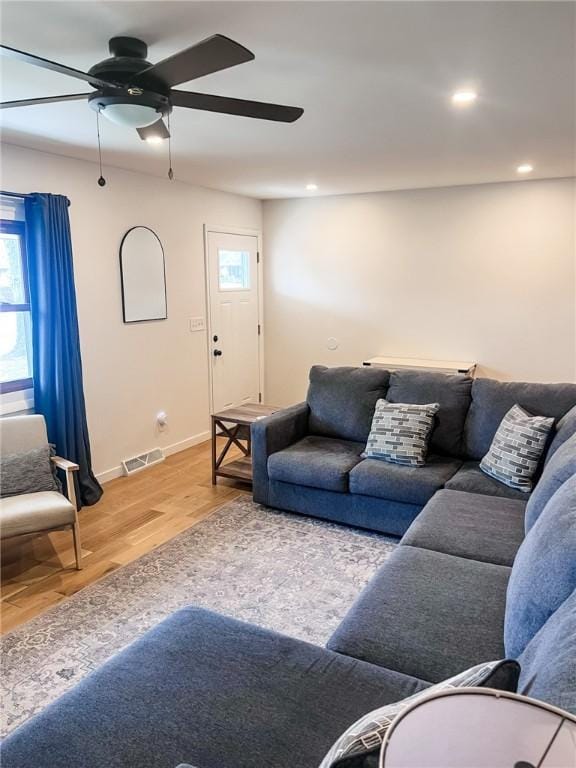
x=69, y=467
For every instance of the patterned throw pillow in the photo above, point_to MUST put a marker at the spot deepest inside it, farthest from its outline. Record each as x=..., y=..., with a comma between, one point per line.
x=359, y=746
x=400, y=432
x=517, y=448
x=28, y=472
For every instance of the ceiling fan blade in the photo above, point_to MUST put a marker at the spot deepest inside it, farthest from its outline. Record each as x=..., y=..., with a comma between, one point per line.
x=43, y=100
x=37, y=61
x=210, y=55
x=228, y=106
x=156, y=130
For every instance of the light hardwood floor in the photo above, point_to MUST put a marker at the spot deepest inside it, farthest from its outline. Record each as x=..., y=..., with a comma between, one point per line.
x=135, y=515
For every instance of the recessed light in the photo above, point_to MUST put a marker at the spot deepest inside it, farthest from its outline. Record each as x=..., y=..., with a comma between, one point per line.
x=154, y=139
x=464, y=98
x=525, y=168
x=311, y=187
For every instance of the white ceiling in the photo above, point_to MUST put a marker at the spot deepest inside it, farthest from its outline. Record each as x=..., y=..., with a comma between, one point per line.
x=374, y=78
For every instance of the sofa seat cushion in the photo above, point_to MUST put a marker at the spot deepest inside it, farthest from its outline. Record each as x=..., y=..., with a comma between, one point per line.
x=485, y=528
x=32, y=512
x=396, y=482
x=427, y=614
x=210, y=691
x=318, y=462
x=471, y=479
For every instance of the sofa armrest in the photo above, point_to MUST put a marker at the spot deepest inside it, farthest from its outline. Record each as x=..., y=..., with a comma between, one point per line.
x=273, y=434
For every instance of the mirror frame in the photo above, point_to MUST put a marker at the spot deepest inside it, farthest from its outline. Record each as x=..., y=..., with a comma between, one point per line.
x=123, y=287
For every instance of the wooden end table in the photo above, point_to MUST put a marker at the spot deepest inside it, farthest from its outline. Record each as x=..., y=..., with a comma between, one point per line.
x=233, y=425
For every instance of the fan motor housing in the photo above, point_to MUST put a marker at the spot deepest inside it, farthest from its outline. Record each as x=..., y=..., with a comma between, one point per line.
x=128, y=59
x=128, y=46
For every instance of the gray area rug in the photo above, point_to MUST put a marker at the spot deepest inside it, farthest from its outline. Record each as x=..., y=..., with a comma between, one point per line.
x=289, y=573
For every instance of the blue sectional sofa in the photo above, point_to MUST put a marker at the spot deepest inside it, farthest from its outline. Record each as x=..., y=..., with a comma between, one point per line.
x=477, y=577
x=307, y=458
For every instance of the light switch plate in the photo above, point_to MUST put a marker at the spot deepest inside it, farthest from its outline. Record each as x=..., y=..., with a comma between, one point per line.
x=196, y=324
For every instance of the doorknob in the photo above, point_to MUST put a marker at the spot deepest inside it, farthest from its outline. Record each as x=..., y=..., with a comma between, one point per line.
x=217, y=353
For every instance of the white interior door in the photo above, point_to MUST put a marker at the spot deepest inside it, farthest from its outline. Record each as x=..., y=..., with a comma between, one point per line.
x=234, y=344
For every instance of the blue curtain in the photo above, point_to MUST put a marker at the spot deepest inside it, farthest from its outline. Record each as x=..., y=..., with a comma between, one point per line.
x=58, y=388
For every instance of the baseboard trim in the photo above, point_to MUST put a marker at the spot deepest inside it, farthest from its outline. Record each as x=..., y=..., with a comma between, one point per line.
x=181, y=445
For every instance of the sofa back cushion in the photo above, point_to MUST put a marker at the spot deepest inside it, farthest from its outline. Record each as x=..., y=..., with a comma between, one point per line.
x=342, y=400
x=491, y=400
x=560, y=467
x=452, y=393
x=548, y=663
x=544, y=571
x=565, y=429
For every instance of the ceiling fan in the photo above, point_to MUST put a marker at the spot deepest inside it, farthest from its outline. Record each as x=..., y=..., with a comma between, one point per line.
x=132, y=92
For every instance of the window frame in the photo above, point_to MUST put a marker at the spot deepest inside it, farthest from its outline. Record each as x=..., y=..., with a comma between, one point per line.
x=10, y=227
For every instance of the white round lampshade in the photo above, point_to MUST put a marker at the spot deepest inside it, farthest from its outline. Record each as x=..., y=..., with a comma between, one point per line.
x=480, y=728
x=130, y=115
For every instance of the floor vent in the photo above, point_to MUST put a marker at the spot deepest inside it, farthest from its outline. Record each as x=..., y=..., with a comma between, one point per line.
x=137, y=463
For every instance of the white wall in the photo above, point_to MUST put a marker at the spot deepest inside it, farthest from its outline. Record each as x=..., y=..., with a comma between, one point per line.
x=482, y=273
x=131, y=372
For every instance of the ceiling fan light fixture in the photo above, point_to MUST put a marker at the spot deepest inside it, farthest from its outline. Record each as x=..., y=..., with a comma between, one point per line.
x=134, y=93
x=130, y=115
x=154, y=139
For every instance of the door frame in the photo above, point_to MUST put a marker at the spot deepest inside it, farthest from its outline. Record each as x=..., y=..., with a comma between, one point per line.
x=223, y=230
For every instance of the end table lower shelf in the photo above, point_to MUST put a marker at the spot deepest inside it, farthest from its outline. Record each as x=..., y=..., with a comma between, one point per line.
x=233, y=425
x=240, y=469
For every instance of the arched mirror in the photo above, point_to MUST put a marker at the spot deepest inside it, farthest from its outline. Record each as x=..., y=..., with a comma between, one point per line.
x=143, y=276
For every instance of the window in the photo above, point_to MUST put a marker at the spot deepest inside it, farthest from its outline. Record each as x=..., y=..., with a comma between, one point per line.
x=15, y=321
x=233, y=270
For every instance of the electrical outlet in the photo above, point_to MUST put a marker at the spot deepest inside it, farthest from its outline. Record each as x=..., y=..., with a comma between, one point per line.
x=196, y=324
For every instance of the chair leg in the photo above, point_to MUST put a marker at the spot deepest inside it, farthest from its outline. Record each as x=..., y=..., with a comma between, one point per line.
x=77, y=545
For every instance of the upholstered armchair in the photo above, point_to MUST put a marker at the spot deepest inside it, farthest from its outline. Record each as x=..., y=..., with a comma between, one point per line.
x=25, y=453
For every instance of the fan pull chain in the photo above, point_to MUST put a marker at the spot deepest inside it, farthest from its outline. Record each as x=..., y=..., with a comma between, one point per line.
x=101, y=180
x=170, y=171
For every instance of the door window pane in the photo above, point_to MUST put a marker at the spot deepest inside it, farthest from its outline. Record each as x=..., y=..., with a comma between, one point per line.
x=233, y=270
